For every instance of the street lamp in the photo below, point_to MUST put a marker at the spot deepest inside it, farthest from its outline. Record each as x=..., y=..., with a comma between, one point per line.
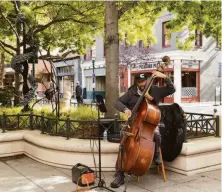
x=93, y=76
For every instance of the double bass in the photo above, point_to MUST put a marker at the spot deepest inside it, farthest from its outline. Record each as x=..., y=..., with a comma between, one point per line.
x=136, y=146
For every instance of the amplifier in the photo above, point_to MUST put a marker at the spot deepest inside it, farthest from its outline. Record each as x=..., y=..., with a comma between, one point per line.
x=82, y=175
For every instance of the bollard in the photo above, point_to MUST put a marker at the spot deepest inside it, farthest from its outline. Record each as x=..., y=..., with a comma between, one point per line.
x=42, y=123
x=216, y=123
x=67, y=127
x=31, y=120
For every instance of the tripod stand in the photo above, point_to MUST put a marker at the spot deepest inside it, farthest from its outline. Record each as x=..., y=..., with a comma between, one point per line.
x=100, y=108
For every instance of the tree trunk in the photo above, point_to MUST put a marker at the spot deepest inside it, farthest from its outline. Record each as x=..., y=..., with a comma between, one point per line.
x=2, y=61
x=18, y=52
x=112, y=56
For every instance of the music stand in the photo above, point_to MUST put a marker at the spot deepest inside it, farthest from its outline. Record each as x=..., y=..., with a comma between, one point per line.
x=100, y=108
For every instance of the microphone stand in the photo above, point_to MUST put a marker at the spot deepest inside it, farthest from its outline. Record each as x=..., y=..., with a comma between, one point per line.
x=100, y=107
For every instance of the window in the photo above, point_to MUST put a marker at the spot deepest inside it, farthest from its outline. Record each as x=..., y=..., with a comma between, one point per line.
x=198, y=38
x=100, y=83
x=88, y=55
x=67, y=69
x=89, y=83
x=166, y=39
x=189, y=79
x=189, y=84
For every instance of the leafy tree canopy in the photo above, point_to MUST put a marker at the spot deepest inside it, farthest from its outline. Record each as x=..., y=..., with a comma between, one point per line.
x=204, y=16
x=69, y=25
x=138, y=21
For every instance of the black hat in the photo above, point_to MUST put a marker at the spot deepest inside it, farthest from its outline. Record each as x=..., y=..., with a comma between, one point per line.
x=140, y=77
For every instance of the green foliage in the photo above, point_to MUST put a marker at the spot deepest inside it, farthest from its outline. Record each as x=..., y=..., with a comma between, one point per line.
x=10, y=110
x=71, y=25
x=204, y=16
x=137, y=23
x=68, y=25
x=6, y=96
x=83, y=113
x=187, y=44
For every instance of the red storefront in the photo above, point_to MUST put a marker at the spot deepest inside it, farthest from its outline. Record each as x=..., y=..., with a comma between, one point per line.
x=190, y=79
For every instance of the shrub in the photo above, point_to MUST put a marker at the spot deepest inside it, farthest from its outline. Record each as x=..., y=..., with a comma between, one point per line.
x=85, y=113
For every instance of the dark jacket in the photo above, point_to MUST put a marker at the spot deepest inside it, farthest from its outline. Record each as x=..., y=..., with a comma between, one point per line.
x=129, y=99
x=78, y=91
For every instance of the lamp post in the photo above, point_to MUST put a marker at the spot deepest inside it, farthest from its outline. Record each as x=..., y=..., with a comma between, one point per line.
x=93, y=76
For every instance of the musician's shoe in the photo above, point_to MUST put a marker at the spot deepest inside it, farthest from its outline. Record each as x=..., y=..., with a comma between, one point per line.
x=157, y=159
x=118, y=181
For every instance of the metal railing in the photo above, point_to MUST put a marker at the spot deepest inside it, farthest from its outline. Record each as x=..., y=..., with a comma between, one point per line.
x=201, y=125
x=58, y=127
x=196, y=125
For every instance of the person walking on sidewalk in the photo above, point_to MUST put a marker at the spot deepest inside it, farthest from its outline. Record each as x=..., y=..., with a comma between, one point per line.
x=79, y=93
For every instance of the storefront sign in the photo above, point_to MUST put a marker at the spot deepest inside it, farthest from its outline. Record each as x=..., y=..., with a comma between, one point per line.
x=189, y=64
x=150, y=65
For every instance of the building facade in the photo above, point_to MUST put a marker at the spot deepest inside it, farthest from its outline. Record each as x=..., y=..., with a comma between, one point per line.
x=94, y=75
x=68, y=72
x=196, y=73
x=41, y=74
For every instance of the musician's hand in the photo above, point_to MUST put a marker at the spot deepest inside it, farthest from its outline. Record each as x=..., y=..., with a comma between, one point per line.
x=158, y=74
x=128, y=113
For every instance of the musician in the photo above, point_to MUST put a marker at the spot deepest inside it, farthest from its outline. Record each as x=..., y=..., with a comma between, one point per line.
x=127, y=102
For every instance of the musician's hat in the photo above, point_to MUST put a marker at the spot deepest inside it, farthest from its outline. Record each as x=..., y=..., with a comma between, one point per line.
x=140, y=77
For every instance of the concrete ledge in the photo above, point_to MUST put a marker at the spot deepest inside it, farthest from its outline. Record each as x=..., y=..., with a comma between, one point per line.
x=57, y=151
x=198, y=155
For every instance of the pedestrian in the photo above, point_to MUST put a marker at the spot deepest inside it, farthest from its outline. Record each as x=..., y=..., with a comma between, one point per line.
x=79, y=93
x=127, y=102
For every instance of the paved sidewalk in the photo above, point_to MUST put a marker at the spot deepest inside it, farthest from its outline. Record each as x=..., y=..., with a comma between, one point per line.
x=26, y=175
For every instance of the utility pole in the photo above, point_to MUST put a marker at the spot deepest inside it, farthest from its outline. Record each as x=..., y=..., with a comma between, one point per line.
x=93, y=76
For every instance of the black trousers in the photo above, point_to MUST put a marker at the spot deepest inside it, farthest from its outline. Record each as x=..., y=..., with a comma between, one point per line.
x=79, y=99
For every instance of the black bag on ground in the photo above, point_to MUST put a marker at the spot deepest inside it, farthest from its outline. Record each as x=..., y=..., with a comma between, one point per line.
x=173, y=131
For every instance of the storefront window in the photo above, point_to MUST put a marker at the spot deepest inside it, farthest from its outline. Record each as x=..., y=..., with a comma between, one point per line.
x=188, y=79
x=89, y=82
x=189, y=84
x=100, y=83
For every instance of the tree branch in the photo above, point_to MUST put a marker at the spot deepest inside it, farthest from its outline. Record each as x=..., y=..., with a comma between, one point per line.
x=73, y=8
x=3, y=47
x=8, y=46
x=16, y=6
x=43, y=27
x=126, y=8
x=39, y=7
x=13, y=29
x=49, y=57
